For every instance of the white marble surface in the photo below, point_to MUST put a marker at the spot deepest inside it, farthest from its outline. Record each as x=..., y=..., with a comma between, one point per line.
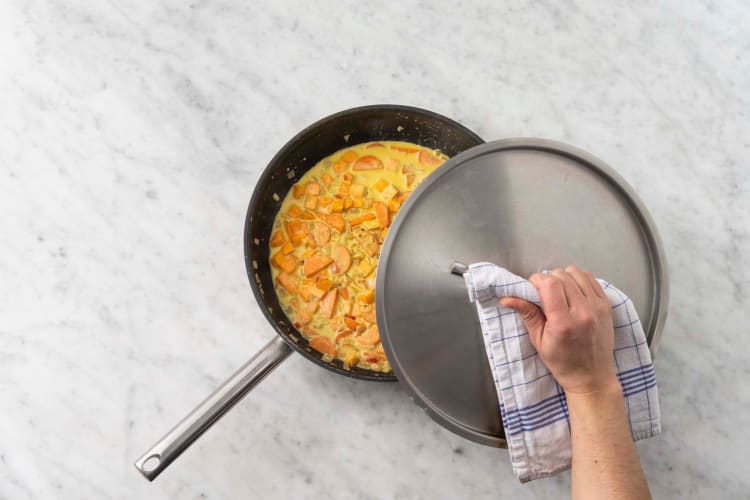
x=132, y=133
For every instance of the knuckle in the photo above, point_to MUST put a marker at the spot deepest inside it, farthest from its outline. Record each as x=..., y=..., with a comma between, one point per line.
x=572, y=268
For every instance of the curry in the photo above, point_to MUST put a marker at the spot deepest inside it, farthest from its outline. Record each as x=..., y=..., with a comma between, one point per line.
x=326, y=241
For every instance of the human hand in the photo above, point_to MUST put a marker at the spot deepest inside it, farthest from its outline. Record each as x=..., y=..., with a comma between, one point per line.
x=574, y=336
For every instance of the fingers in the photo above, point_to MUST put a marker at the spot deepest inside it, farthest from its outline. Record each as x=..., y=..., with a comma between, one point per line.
x=582, y=279
x=551, y=293
x=573, y=292
x=532, y=317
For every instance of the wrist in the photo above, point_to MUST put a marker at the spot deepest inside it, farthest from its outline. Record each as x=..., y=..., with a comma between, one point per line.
x=607, y=391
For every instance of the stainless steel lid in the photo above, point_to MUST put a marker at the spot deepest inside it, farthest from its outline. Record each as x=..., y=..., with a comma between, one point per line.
x=527, y=205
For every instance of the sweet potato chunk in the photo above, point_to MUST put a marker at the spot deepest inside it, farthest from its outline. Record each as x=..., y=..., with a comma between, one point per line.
x=321, y=233
x=277, y=239
x=324, y=345
x=371, y=336
x=328, y=303
x=288, y=281
x=381, y=212
x=336, y=221
x=316, y=263
x=428, y=158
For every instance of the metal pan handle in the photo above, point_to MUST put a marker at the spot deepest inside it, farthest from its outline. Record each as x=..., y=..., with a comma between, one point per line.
x=190, y=428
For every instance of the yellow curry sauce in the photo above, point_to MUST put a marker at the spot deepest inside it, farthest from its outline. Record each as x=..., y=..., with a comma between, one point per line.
x=326, y=242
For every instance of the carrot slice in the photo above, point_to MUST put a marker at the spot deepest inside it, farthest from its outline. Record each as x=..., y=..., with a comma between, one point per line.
x=298, y=191
x=320, y=233
x=371, y=336
x=343, y=259
x=349, y=156
x=312, y=188
x=277, y=239
x=428, y=158
x=375, y=145
x=294, y=211
x=360, y=219
x=311, y=307
x=368, y=163
x=402, y=149
x=315, y=264
x=328, y=303
x=287, y=281
x=324, y=345
x=336, y=221
x=381, y=212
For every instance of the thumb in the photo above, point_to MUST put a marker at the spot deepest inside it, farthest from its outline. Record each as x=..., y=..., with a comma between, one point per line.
x=532, y=317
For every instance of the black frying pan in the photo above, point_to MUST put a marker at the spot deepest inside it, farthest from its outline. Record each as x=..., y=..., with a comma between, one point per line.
x=323, y=138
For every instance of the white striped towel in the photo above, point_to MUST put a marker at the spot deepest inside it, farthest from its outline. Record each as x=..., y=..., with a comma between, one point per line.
x=532, y=404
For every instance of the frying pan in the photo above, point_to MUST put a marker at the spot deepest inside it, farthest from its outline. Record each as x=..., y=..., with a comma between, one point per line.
x=323, y=138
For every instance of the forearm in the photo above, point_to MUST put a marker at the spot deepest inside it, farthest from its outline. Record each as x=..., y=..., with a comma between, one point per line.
x=605, y=463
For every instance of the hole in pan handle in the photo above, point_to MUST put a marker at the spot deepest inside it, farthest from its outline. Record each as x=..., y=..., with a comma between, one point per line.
x=190, y=428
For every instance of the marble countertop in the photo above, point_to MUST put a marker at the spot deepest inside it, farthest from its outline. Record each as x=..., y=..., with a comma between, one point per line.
x=131, y=137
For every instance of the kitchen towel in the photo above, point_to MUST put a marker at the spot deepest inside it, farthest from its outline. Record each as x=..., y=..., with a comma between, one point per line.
x=532, y=404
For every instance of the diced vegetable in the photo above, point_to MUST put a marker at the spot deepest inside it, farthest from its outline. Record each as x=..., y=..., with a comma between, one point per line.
x=358, y=202
x=350, y=321
x=340, y=166
x=307, y=215
x=343, y=258
x=286, y=262
x=294, y=211
x=389, y=192
x=277, y=239
x=355, y=221
x=316, y=263
x=366, y=240
x=381, y=212
x=391, y=164
x=326, y=180
x=428, y=158
x=311, y=307
x=367, y=298
x=303, y=317
x=357, y=190
x=348, y=203
x=328, y=303
x=380, y=185
x=312, y=188
x=324, y=284
x=287, y=248
x=288, y=281
x=298, y=191
x=324, y=201
x=336, y=221
x=368, y=163
x=344, y=293
x=337, y=206
x=311, y=202
x=371, y=336
x=324, y=345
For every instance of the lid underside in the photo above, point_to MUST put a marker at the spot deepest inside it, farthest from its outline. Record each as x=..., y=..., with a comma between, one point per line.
x=527, y=205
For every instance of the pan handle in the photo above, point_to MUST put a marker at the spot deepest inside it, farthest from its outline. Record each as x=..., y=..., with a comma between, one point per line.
x=190, y=428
